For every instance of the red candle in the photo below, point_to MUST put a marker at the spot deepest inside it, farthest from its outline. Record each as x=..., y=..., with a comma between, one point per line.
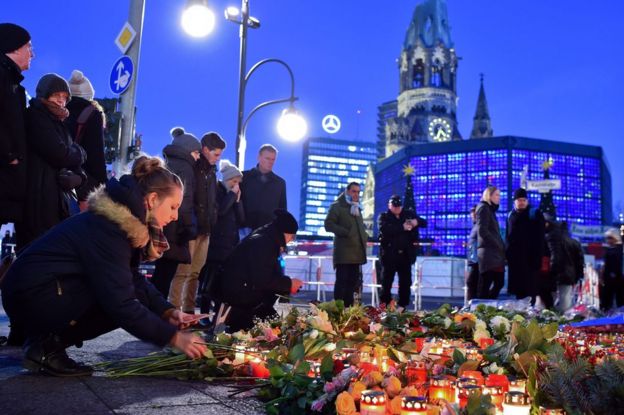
x=475, y=374
x=259, y=370
x=415, y=372
x=441, y=388
x=465, y=391
x=496, y=392
x=498, y=380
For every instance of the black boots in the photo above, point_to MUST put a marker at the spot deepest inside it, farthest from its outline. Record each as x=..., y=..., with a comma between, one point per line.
x=48, y=355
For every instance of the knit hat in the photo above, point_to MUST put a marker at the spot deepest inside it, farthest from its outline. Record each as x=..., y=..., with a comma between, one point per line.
x=615, y=234
x=80, y=86
x=185, y=140
x=51, y=83
x=520, y=194
x=12, y=37
x=229, y=171
x=285, y=222
x=395, y=200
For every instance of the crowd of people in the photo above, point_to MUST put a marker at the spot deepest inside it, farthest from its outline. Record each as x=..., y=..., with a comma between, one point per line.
x=80, y=237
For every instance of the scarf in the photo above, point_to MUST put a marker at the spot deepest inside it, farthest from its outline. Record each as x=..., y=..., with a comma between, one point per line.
x=157, y=243
x=59, y=112
x=355, y=206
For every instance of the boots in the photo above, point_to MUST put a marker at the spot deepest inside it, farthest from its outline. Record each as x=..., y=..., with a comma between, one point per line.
x=48, y=355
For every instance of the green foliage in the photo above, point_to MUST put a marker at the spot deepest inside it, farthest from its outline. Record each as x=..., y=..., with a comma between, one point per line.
x=480, y=404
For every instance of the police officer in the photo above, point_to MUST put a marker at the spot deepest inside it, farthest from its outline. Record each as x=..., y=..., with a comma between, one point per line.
x=398, y=236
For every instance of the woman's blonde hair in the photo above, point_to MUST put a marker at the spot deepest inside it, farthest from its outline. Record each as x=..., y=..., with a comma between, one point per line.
x=152, y=176
x=487, y=194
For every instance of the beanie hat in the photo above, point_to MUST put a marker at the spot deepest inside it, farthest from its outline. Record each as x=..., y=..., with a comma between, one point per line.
x=80, y=86
x=229, y=171
x=285, y=222
x=51, y=83
x=615, y=234
x=12, y=37
x=395, y=200
x=185, y=140
x=176, y=131
x=520, y=194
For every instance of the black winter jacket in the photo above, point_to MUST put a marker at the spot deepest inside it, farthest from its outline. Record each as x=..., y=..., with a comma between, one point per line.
x=205, y=195
x=396, y=242
x=12, y=141
x=224, y=236
x=93, y=259
x=490, y=245
x=261, y=195
x=50, y=149
x=92, y=141
x=566, y=255
x=180, y=232
x=252, y=274
x=613, y=262
x=524, y=238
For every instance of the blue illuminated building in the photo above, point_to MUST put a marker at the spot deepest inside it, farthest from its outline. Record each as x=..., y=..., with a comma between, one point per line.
x=328, y=165
x=451, y=176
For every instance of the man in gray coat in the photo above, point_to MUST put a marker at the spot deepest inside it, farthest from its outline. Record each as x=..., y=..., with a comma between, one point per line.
x=344, y=220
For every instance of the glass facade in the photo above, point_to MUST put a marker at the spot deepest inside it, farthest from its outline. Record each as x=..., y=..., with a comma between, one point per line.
x=447, y=185
x=328, y=165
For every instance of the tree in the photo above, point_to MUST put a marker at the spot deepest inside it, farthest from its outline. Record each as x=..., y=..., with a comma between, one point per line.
x=408, y=197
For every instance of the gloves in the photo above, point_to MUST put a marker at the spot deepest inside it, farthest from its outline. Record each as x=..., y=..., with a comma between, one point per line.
x=69, y=180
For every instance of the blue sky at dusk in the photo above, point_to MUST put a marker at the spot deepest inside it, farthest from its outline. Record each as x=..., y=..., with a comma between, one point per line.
x=553, y=69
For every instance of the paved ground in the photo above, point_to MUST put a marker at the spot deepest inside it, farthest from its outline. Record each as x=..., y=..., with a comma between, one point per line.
x=25, y=393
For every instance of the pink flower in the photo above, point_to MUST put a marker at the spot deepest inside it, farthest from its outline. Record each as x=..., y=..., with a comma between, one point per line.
x=317, y=406
x=437, y=370
x=330, y=387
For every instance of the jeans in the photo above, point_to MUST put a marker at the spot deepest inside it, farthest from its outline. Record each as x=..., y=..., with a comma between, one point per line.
x=347, y=277
x=404, y=268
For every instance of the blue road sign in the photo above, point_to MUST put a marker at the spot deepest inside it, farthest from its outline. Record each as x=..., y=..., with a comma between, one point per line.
x=121, y=75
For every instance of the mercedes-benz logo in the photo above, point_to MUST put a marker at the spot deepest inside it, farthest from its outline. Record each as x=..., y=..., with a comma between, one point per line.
x=331, y=124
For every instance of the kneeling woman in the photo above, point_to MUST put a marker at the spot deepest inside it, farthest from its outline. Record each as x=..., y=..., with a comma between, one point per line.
x=81, y=279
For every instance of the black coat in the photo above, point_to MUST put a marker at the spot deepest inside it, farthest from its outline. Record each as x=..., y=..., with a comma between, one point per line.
x=12, y=141
x=180, y=232
x=50, y=149
x=205, y=195
x=490, y=245
x=252, y=275
x=395, y=242
x=224, y=236
x=566, y=256
x=524, y=250
x=92, y=141
x=91, y=260
x=261, y=195
x=613, y=262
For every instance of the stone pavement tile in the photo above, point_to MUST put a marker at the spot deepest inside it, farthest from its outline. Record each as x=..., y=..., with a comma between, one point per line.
x=208, y=409
x=53, y=403
x=244, y=402
x=24, y=382
x=131, y=394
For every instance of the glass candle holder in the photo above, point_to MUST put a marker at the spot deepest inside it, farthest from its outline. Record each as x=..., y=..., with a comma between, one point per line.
x=498, y=380
x=473, y=353
x=475, y=374
x=461, y=383
x=413, y=405
x=465, y=392
x=496, y=392
x=372, y=402
x=551, y=411
x=415, y=372
x=441, y=388
x=516, y=403
x=517, y=385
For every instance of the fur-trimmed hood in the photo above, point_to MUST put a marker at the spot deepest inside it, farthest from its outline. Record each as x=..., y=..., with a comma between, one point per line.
x=102, y=204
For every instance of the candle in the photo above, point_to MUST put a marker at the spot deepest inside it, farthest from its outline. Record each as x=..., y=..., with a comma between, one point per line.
x=373, y=402
x=473, y=353
x=516, y=403
x=461, y=383
x=475, y=374
x=415, y=372
x=239, y=355
x=465, y=391
x=315, y=370
x=551, y=411
x=517, y=385
x=498, y=380
x=496, y=392
x=413, y=405
x=441, y=388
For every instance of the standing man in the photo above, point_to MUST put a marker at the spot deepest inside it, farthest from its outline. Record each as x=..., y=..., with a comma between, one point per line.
x=398, y=237
x=262, y=190
x=344, y=220
x=15, y=56
x=524, y=242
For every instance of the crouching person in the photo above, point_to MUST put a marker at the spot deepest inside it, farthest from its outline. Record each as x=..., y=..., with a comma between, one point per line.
x=252, y=275
x=81, y=279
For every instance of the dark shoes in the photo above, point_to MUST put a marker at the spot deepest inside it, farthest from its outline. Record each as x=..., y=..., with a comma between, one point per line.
x=48, y=356
x=16, y=337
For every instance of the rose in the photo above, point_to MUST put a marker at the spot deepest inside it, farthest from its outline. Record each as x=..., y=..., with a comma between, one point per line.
x=372, y=378
x=392, y=385
x=394, y=405
x=480, y=325
x=356, y=390
x=345, y=405
x=500, y=323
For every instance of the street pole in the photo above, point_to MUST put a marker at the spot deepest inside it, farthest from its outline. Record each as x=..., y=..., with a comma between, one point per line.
x=241, y=141
x=135, y=18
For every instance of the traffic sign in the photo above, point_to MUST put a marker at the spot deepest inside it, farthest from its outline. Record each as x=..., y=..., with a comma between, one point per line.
x=125, y=37
x=121, y=75
x=544, y=186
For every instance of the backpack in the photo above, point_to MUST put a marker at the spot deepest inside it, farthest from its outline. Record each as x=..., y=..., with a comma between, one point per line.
x=82, y=121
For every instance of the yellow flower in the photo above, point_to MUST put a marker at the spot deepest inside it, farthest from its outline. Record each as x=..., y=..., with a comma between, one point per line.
x=412, y=391
x=345, y=405
x=372, y=378
x=395, y=405
x=463, y=316
x=356, y=390
x=392, y=385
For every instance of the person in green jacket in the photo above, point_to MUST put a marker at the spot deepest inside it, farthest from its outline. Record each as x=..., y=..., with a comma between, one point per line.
x=344, y=220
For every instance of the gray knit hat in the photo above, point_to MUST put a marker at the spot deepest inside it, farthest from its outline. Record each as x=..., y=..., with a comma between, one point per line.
x=51, y=83
x=185, y=140
x=80, y=86
x=229, y=171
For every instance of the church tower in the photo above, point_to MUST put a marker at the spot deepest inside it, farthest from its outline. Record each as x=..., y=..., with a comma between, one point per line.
x=482, y=124
x=427, y=102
